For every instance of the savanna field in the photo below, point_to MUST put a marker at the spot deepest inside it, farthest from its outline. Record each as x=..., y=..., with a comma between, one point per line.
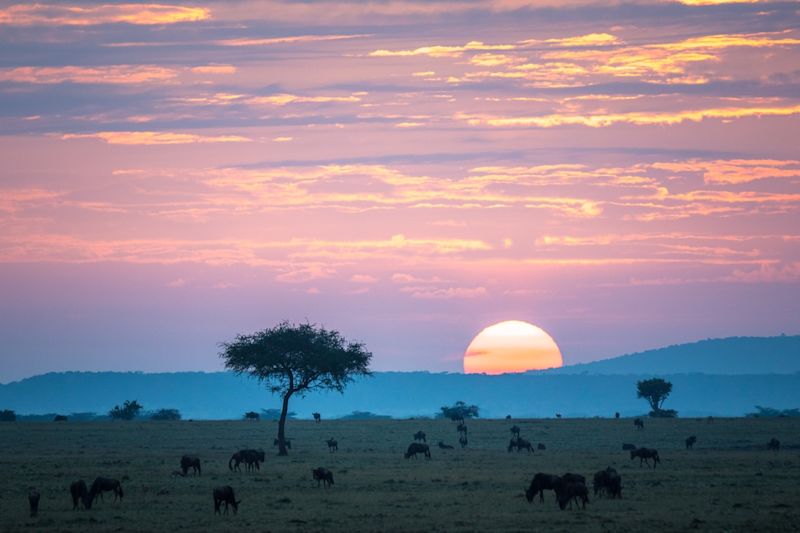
x=729, y=482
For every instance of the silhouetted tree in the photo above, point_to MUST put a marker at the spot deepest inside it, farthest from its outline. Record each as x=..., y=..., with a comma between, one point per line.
x=128, y=411
x=769, y=412
x=296, y=359
x=166, y=414
x=655, y=391
x=252, y=415
x=460, y=410
x=7, y=415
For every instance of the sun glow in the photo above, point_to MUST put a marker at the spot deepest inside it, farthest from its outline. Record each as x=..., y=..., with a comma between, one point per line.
x=511, y=346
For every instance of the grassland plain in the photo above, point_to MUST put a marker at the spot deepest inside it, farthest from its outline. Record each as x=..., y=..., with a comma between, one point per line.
x=729, y=482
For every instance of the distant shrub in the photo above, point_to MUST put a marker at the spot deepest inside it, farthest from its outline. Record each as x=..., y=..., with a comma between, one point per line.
x=252, y=415
x=7, y=415
x=275, y=414
x=59, y=418
x=166, y=414
x=771, y=412
x=664, y=413
x=128, y=411
x=364, y=415
x=460, y=410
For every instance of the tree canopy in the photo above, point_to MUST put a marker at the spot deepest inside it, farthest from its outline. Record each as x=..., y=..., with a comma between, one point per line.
x=296, y=359
x=655, y=391
x=128, y=411
x=166, y=415
x=460, y=410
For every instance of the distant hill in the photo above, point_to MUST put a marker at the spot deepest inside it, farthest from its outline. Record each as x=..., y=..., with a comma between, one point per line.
x=732, y=355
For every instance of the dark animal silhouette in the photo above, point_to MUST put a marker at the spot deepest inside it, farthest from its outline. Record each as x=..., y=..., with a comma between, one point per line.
x=627, y=447
x=774, y=444
x=462, y=428
x=415, y=447
x=520, y=444
x=508, y=417
x=33, y=501
x=444, y=446
x=639, y=423
x=573, y=478
x=558, y=415
x=104, y=484
x=573, y=492
x=317, y=417
x=710, y=419
x=540, y=483
x=644, y=454
x=193, y=462
x=541, y=446
x=616, y=415
x=458, y=418
x=323, y=475
x=463, y=441
x=690, y=442
x=420, y=435
x=608, y=482
x=79, y=492
x=252, y=460
x=515, y=431
x=288, y=443
x=60, y=418
x=225, y=495
x=332, y=445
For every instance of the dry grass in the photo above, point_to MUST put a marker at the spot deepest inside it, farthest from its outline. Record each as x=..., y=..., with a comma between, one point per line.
x=728, y=483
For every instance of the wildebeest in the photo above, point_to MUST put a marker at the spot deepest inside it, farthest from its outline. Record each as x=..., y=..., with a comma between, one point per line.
x=33, y=501
x=616, y=415
x=463, y=441
x=332, y=445
x=79, y=492
x=193, y=462
x=60, y=418
x=515, y=431
x=317, y=417
x=415, y=447
x=252, y=459
x=287, y=442
x=573, y=478
x=558, y=415
x=608, y=482
x=576, y=492
x=690, y=442
x=639, y=423
x=540, y=483
x=520, y=444
x=774, y=444
x=541, y=446
x=104, y=484
x=627, y=446
x=420, y=435
x=225, y=495
x=322, y=475
x=462, y=428
x=644, y=454
x=444, y=446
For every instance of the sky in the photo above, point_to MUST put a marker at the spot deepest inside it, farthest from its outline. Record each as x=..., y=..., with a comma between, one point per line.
x=624, y=175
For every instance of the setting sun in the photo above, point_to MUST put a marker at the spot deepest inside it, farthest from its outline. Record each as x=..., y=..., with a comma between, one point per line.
x=511, y=346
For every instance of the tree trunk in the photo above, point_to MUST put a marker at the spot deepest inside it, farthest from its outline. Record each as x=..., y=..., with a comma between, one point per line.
x=282, y=425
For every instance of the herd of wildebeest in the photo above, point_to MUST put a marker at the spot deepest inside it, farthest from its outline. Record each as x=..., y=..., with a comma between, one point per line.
x=569, y=488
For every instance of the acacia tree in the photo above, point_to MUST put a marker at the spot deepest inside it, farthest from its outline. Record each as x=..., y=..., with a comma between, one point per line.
x=460, y=410
x=655, y=391
x=128, y=411
x=296, y=359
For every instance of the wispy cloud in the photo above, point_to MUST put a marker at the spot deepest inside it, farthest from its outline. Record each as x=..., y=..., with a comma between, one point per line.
x=87, y=15
x=155, y=137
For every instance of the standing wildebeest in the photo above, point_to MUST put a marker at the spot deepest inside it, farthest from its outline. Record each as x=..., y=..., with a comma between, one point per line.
x=573, y=478
x=616, y=415
x=252, y=459
x=104, y=484
x=644, y=454
x=225, y=495
x=288, y=443
x=774, y=444
x=33, y=501
x=79, y=493
x=193, y=462
x=415, y=447
x=540, y=483
x=570, y=492
x=332, y=445
x=515, y=431
x=608, y=482
x=444, y=446
x=462, y=428
x=690, y=442
x=317, y=417
x=420, y=435
x=323, y=475
x=520, y=444
x=463, y=441
x=627, y=446
x=541, y=446
x=639, y=423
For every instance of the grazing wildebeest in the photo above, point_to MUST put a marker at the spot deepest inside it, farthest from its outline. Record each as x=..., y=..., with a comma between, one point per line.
x=462, y=428
x=627, y=447
x=522, y=444
x=332, y=445
x=79, y=492
x=512, y=444
x=540, y=483
x=515, y=431
x=323, y=475
x=463, y=441
x=444, y=446
x=576, y=492
x=104, y=484
x=644, y=454
x=420, y=435
x=415, y=447
x=225, y=495
x=608, y=482
x=541, y=446
x=288, y=443
x=639, y=423
x=252, y=459
x=317, y=417
x=60, y=418
x=193, y=462
x=33, y=501
x=774, y=444
x=690, y=442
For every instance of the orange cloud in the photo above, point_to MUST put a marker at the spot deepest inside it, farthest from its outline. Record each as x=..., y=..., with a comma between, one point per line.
x=82, y=15
x=442, y=51
x=288, y=40
x=284, y=99
x=736, y=170
x=154, y=137
x=114, y=74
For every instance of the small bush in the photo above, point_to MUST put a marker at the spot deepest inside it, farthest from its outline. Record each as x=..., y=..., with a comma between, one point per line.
x=7, y=415
x=664, y=413
x=166, y=414
x=128, y=411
